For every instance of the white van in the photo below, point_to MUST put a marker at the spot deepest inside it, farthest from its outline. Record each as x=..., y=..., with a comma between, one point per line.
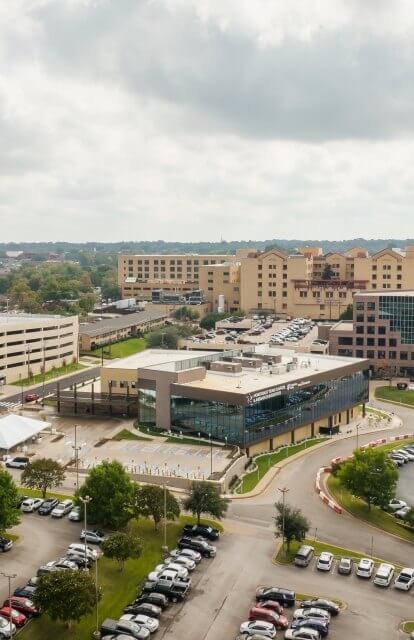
x=384, y=575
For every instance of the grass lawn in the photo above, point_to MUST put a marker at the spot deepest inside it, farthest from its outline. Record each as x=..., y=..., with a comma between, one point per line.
x=175, y=439
x=286, y=557
x=49, y=375
x=408, y=626
x=358, y=508
x=394, y=394
x=120, y=349
x=128, y=435
x=35, y=493
x=376, y=412
x=118, y=589
x=265, y=462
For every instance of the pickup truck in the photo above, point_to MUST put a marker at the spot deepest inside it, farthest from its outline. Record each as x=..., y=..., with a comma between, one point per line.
x=175, y=590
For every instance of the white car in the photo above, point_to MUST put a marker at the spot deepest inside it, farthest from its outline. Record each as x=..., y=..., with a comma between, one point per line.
x=406, y=453
x=75, y=515
x=325, y=561
x=258, y=627
x=401, y=513
x=304, y=633
x=312, y=612
x=94, y=536
x=187, y=553
x=181, y=571
x=62, y=509
x=365, y=568
x=31, y=504
x=189, y=564
x=144, y=621
x=405, y=579
x=5, y=628
x=395, y=505
x=79, y=547
x=384, y=575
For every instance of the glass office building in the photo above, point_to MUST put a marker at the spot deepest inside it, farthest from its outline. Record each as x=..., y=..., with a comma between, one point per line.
x=399, y=311
x=268, y=413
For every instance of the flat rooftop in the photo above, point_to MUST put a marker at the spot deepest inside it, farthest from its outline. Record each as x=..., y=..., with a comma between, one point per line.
x=27, y=317
x=387, y=292
x=99, y=327
x=162, y=359
x=344, y=326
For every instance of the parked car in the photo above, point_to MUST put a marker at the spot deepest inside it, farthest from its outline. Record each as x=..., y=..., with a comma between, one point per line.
x=159, y=599
x=278, y=621
x=62, y=508
x=5, y=544
x=75, y=515
x=47, y=506
x=81, y=561
x=201, y=530
x=401, y=513
x=18, y=618
x=144, y=608
x=124, y=626
x=5, y=630
x=304, y=633
x=321, y=603
x=174, y=590
x=304, y=555
x=345, y=566
x=253, y=627
x=94, y=536
x=312, y=612
x=365, y=568
x=181, y=560
x=272, y=605
x=285, y=597
x=405, y=579
x=178, y=570
x=206, y=550
x=396, y=504
x=384, y=575
x=317, y=624
x=325, y=561
x=19, y=462
x=25, y=605
x=142, y=620
x=187, y=553
x=31, y=504
x=24, y=592
x=80, y=548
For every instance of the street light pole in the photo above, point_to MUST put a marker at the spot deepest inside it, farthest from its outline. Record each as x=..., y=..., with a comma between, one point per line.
x=85, y=501
x=43, y=371
x=76, y=450
x=283, y=491
x=165, y=547
x=357, y=435
x=9, y=577
x=211, y=455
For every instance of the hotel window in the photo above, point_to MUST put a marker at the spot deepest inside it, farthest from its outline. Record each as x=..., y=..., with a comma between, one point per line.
x=403, y=355
x=370, y=342
x=360, y=342
x=371, y=330
x=399, y=267
x=303, y=294
x=370, y=318
x=392, y=342
x=360, y=306
x=359, y=353
x=392, y=355
x=360, y=328
x=360, y=317
x=371, y=306
x=284, y=294
x=381, y=355
x=370, y=354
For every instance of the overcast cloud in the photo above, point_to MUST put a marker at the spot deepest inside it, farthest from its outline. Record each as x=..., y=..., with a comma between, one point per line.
x=201, y=119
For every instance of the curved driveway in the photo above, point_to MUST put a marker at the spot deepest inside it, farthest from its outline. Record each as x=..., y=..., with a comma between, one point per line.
x=341, y=530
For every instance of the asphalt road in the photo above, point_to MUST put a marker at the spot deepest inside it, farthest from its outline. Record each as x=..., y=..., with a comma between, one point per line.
x=50, y=387
x=41, y=539
x=220, y=600
x=342, y=530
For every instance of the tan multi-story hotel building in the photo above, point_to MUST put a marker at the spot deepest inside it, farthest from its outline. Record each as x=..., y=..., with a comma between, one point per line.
x=307, y=283
x=29, y=342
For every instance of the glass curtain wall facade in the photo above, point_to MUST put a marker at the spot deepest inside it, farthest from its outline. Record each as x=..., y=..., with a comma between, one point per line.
x=399, y=311
x=147, y=399
x=272, y=414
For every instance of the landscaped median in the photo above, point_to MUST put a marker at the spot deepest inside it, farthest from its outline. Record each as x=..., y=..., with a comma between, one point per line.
x=265, y=461
x=407, y=626
x=50, y=375
x=397, y=396
x=118, y=588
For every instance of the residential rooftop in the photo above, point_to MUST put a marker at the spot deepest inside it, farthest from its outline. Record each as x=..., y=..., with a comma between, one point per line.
x=122, y=322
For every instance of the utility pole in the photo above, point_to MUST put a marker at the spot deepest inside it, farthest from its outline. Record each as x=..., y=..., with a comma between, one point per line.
x=9, y=577
x=283, y=491
x=85, y=501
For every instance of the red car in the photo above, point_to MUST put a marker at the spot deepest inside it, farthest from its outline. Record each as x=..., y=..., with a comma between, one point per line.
x=258, y=613
x=32, y=397
x=273, y=606
x=24, y=605
x=18, y=618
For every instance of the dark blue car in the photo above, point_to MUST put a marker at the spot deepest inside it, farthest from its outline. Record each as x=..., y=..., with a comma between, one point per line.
x=312, y=623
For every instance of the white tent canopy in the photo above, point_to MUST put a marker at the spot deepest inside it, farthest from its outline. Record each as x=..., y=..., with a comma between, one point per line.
x=16, y=429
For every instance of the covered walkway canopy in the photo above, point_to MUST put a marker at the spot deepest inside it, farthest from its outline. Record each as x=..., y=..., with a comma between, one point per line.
x=16, y=429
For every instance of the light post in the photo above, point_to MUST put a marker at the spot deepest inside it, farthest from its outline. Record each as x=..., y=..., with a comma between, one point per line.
x=9, y=577
x=43, y=371
x=211, y=456
x=165, y=547
x=28, y=363
x=97, y=633
x=76, y=450
x=21, y=388
x=357, y=435
x=283, y=491
x=85, y=501
x=372, y=547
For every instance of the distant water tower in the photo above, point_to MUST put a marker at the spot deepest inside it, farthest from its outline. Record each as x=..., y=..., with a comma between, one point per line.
x=220, y=307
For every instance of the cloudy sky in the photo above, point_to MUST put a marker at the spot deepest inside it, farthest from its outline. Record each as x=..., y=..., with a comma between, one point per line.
x=201, y=119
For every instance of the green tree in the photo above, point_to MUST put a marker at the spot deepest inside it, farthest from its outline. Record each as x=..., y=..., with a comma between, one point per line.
x=186, y=313
x=292, y=524
x=371, y=476
x=210, y=319
x=66, y=595
x=205, y=498
x=409, y=518
x=111, y=491
x=43, y=474
x=328, y=272
x=149, y=502
x=348, y=314
x=9, y=496
x=121, y=546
